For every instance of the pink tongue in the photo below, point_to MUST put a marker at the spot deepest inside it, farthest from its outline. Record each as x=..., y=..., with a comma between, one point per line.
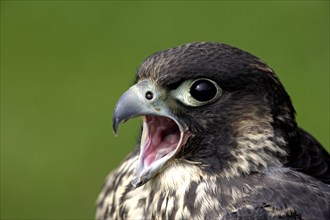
x=163, y=138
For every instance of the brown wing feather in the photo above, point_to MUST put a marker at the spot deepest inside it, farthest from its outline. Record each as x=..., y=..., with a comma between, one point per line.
x=309, y=157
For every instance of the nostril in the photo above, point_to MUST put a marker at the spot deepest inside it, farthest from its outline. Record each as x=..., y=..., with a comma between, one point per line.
x=149, y=95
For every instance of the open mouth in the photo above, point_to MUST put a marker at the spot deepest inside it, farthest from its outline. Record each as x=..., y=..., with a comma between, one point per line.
x=163, y=134
x=162, y=137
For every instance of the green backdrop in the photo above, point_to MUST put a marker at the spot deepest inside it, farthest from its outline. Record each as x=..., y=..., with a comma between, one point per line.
x=65, y=63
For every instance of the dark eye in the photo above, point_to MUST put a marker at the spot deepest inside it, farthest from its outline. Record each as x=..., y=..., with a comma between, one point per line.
x=203, y=90
x=197, y=92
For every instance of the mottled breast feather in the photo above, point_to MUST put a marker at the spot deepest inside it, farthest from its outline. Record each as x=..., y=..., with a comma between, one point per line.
x=245, y=157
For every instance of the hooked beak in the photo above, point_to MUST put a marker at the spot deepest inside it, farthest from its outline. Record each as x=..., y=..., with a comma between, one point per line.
x=163, y=133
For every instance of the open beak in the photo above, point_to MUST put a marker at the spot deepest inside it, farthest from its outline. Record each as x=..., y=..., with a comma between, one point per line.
x=163, y=133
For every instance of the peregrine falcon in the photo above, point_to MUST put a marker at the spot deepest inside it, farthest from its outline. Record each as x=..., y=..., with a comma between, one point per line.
x=219, y=140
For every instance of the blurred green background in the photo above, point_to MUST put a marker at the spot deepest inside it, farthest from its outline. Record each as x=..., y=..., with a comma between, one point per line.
x=65, y=63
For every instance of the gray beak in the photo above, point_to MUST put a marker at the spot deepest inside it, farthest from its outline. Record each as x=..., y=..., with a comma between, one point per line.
x=142, y=98
x=146, y=99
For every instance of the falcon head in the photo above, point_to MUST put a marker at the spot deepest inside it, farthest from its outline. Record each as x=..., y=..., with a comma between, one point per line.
x=210, y=104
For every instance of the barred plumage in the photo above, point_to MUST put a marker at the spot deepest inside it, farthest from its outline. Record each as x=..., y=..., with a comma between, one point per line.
x=219, y=141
